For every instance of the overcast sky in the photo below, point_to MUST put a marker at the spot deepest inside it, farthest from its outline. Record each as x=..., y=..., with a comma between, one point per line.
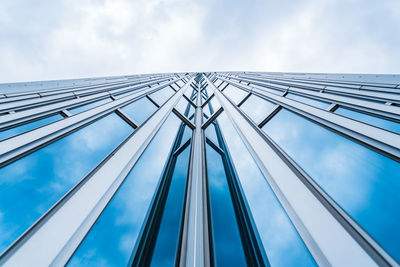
x=48, y=39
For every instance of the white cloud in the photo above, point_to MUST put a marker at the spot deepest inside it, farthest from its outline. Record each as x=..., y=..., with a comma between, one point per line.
x=63, y=39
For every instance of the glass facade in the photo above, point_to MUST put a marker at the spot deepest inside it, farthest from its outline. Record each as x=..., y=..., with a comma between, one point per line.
x=201, y=169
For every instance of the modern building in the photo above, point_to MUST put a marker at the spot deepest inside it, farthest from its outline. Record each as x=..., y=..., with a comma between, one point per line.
x=201, y=169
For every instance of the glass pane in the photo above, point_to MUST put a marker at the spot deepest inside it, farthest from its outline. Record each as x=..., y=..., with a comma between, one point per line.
x=222, y=85
x=214, y=104
x=187, y=134
x=257, y=108
x=218, y=83
x=375, y=121
x=194, y=95
x=283, y=245
x=124, y=94
x=31, y=185
x=309, y=101
x=363, y=182
x=190, y=92
x=140, y=110
x=264, y=88
x=89, y=106
x=162, y=95
x=235, y=94
x=207, y=110
x=228, y=249
x=111, y=240
x=183, y=106
x=211, y=134
x=174, y=86
x=166, y=245
x=207, y=91
x=180, y=83
x=28, y=126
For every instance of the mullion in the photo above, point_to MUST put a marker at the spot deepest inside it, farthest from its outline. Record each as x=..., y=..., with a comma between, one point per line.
x=142, y=255
x=254, y=250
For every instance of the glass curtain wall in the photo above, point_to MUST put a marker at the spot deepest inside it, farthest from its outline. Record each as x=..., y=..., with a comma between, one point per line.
x=338, y=135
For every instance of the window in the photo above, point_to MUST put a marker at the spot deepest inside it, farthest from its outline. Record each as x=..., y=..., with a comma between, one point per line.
x=235, y=94
x=166, y=247
x=122, y=219
x=364, y=183
x=140, y=110
x=369, y=119
x=283, y=245
x=161, y=96
x=257, y=108
x=228, y=249
x=308, y=101
x=32, y=184
x=28, y=126
x=89, y=106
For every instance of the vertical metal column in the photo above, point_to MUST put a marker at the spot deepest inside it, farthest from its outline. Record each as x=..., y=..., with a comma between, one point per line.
x=195, y=237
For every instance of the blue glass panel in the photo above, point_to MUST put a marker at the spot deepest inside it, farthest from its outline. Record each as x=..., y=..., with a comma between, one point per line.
x=187, y=133
x=227, y=243
x=214, y=104
x=207, y=110
x=166, y=245
x=235, y=94
x=176, y=87
x=273, y=91
x=180, y=83
x=189, y=92
x=210, y=133
x=89, y=106
x=140, y=110
x=191, y=111
x=257, y=108
x=31, y=185
x=111, y=240
x=194, y=95
x=124, y=94
x=282, y=243
x=222, y=85
x=162, y=95
x=28, y=126
x=309, y=101
x=218, y=83
x=375, y=121
x=363, y=182
x=207, y=91
x=182, y=107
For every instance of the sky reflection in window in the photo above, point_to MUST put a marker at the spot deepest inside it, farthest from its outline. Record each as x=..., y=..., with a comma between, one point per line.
x=235, y=94
x=28, y=126
x=89, y=106
x=308, y=101
x=363, y=182
x=281, y=242
x=111, y=240
x=228, y=249
x=369, y=119
x=166, y=245
x=162, y=95
x=31, y=185
x=140, y=110
x=257, y=108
